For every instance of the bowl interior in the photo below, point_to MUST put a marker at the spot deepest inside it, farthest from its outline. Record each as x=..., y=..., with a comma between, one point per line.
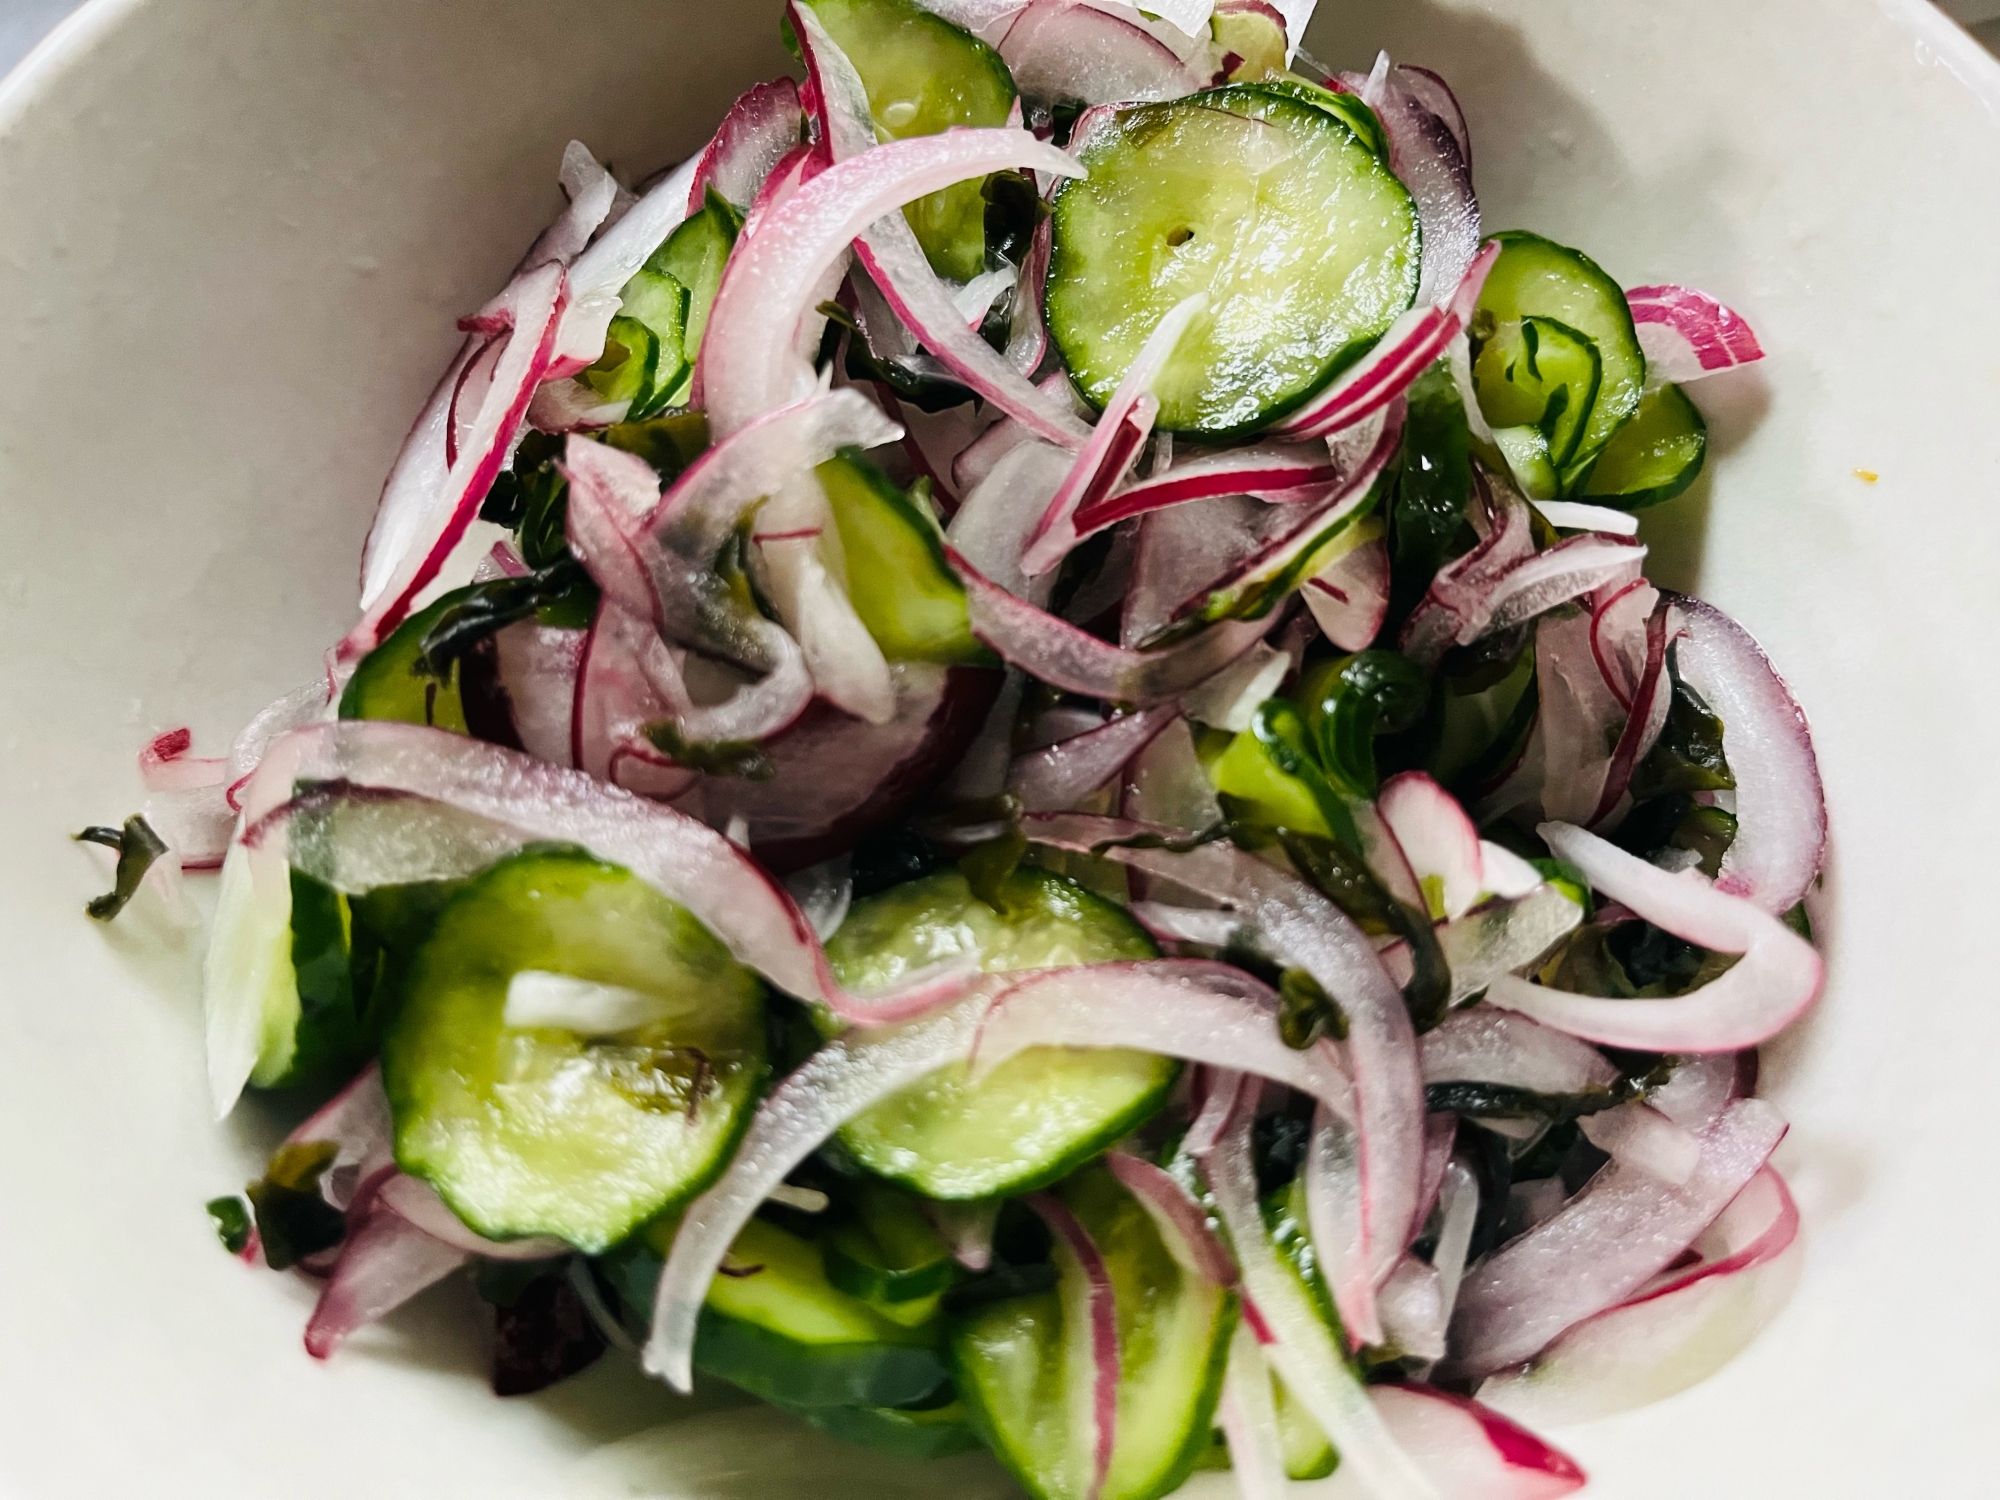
x=233, y=241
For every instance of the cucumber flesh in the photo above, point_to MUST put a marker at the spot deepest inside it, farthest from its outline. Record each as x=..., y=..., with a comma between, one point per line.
x=1304, y=241
x=897, y=576
x=389, y=683
x=924, y=75
x=1537, y=278
x=926, y=1431
x=1653, y=457
x=1037, y=1116
x=545, y=1130
x=692, y=258
x=1016, y=1362
x=1542, y=375
x=887, y=1253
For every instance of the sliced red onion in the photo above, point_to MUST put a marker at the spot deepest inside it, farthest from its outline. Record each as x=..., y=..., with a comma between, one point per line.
x=304, y=704
x=419, y=523
x=1508, y=876
x=538, y=666
x=1435, y=95
x=1349, y=597
x=1249, y=1421
x=1505, y=936
x=1027, y=331
x=991, y=528
x=1701, y=1086
x=1336, y=1218
x=1652, y=696
x=1458, y=1215
x=1279, y=473
x=1471, y=1452
x=166, y=766
x=1413, y=343
x=1777, y=980
x=1089, y=1303
x=618, y=693
x=1455, y=609
x=1687, y=334
x=1578, y=718
x=1618, y=636
x=986, y=19
x=1298, y=927
x=418, y=1203
x=1574, y=566
x=1674, y=1333
x=839, y=1081
x=599, y=274
x=1483, y=1045
x=1425, y=153
x=356, y=1121
x=1413, y=1316
x=1119, y=435
x=1438, y=839
x=592, y=192
x=834, y=777
x=1645, y=1140
x=1064, y=51
x=1230, y=699
x=1625, y=1227
x=760, y=127
x=382, y=1265
x=1182, y=1224
x=1063, y=656
x=686, y=861
x=967, y=1228
x=1193, y=1009
x=1165, y=784
x=1300, y=1344
x=1061, y=775
x=1571, y=515
x=1780, y=802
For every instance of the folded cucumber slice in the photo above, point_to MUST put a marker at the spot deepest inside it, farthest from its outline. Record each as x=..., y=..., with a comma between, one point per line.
x=692, y=259
x=1305, y=242
x=622, y=1080
x=1654, y=456
x=1036, y=1116
x=887, y=1253
x=1537, y=278
x=902, y=587
x=1541, y=375
x=1016, y=1363
x=924, y=75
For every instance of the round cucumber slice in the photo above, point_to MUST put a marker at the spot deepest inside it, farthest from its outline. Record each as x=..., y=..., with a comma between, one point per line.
x=1015, y=1363
x=924, y=75
x=1537, y=278
x=912, y=1431
x=1305, y=242
x=582, y=1101
x=1653, y=457
x=1038, y=1115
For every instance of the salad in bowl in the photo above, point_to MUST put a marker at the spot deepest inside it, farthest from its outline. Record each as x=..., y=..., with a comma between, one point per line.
x=1007, y=775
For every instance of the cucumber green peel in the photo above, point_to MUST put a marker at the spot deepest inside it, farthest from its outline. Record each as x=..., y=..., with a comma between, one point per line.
x=1215, y=193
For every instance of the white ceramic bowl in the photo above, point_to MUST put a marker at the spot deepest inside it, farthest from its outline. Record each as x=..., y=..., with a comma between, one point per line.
x=233, y=237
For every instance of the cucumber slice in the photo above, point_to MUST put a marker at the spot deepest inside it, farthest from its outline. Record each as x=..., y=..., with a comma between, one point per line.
x=897, y=577
x=1347, y=108
x=1016, y=1364
x=1037, y=1116
x=692, y=258
x=888, y=1252
x=583, y=1130
x=1261, y=769
x=1540, y=375
x=1653, y=457
x=773, y=1325
x=924, y=75
x=1538, y=278
x=1308, y=1452
x=389, y=683
x=1305, y=242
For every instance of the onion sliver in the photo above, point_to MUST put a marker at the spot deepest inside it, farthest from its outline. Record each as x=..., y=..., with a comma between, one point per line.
x=1780, y=802
x=845, y=1077
x=1182, y=1225
x=1193, y=1009
x=1687, y=334
x=382, y=1265
x=1777, y=980
x=1674, y=1333
x=1300, y=1344
x=1624, y=1228
x=1061, y=775
x=1483, y=1045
